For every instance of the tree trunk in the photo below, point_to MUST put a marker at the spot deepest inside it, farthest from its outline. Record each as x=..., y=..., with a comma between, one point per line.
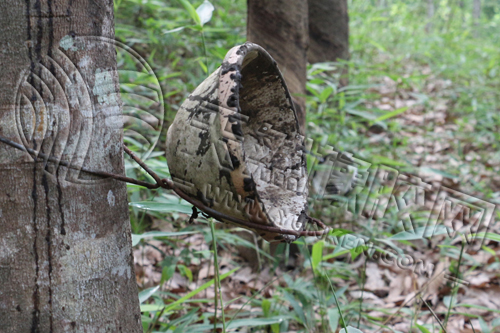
x=328, y=30
x=281, y=27
x=430, y=15
x=476, y=15
x=65, y=249
x=297, y=31
x=476, y=10
x=329, y=33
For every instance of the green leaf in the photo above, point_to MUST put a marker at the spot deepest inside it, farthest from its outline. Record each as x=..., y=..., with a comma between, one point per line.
x=162, y=207
x=266, y=307
x=490, y=251
x=186, y=272
x=391, y=114
x=487, y=235
x=339, y=250
x=483, y=325
x=247, y=322
x=296, y=306
x=449, y=301
x=362, y=114
x=325, y=94
x=254, y=322
x=350, y=329
x=377, y=45
x=173, y=30
x=147, y=293
x=341, y=101
x=198, y=290
x=205, y=11
x=422, y=328
x=438, y=172
x=167, y=273
x=465, y=305
x=333, y=318
x=192, y=12
x=203, y=66
x=151, y=307
x=317, y=254
x=137, y=238
x=422, y=232
x=377, y=159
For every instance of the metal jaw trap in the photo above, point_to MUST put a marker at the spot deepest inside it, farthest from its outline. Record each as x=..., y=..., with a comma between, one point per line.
x=234, y=150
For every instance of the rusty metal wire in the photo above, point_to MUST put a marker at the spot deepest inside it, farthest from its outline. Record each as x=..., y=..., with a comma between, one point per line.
x=170, y=185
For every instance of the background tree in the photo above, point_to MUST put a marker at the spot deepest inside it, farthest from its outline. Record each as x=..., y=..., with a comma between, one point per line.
x=296, y=31
x=476, y=10
x=281, y=27
x=65, y=247
x=328, y=31
x=430, y=15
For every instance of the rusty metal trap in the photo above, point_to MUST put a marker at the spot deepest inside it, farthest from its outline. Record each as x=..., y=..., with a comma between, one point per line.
x=234, y=150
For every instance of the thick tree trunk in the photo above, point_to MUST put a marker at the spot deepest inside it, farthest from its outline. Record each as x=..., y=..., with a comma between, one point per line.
x=328, y=30
x=297, y=31
x=65, y=248
x=281, y=27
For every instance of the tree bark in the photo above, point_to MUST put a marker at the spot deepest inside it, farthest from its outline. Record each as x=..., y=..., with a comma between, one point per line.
x=65, y=249
x=329, y=33
x=430, y=15
x=281, y=27
x=476, y=10
x=328, y=30
x=297, y=31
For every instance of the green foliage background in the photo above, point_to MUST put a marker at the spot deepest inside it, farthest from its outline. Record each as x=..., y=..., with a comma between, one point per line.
x=396, y=41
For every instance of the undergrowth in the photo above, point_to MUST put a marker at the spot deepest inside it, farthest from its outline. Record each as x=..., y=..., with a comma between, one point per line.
x=422, y=101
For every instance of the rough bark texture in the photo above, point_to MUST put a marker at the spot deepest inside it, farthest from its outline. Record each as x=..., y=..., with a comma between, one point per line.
x=297, y=31
x=328, y=30
x=65, y=250
x=281, y=28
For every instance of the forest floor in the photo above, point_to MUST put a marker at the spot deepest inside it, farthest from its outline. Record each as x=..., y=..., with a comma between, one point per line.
x=415, y=245
x=392, y=292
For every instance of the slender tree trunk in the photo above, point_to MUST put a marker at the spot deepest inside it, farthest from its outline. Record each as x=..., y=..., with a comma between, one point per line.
x=461, y=4
x=65, y=249
x=476, y=10
x=281, y=27
x=430, y=15
x=476, y=15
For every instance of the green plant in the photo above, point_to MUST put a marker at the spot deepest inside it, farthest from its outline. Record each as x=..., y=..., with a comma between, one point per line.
x=422, y=100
